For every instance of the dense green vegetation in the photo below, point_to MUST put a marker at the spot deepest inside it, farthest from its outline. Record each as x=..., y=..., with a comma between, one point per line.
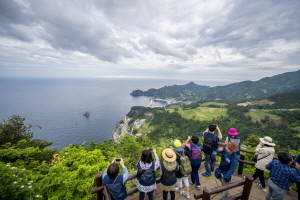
x=168, y=124
x=234, y=92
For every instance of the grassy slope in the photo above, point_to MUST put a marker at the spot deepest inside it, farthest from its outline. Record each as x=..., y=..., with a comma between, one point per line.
x=201, y=113
x=260, y=114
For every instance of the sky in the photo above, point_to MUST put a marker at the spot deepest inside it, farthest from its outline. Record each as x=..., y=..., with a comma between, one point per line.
x=213, y=41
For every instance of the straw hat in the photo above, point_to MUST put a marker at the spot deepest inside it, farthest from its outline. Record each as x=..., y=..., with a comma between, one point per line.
x=169, y=155
x=177, y=145
x=267, y=140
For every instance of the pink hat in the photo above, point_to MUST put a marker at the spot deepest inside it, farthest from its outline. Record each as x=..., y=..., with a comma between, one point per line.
x=232, y=131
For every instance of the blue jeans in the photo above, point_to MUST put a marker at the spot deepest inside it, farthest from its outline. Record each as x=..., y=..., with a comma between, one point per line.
x=195, y=175
x=210, y=162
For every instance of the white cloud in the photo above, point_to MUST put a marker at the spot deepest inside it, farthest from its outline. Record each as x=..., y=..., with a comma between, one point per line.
x=149, y=38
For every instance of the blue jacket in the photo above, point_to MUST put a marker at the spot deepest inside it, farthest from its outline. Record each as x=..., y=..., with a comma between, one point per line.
x=229, y=163
x=119, y=188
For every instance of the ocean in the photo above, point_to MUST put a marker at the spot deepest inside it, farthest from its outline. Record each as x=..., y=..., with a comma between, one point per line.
x=58, y=105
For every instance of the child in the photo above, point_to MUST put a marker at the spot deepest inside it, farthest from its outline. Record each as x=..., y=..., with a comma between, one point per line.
x=168, y=170
x=181, y=178
x=281, y=176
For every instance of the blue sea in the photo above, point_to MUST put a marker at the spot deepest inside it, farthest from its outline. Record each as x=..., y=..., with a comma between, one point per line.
x=58, y=105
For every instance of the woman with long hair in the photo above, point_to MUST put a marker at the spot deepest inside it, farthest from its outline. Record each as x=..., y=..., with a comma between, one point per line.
x=146, y=174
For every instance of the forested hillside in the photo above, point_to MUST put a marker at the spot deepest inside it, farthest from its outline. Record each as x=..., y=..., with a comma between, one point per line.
x=170, y=124
x=237, y=91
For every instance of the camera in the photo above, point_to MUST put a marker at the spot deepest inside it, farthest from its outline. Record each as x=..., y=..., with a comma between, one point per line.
x=118, y=159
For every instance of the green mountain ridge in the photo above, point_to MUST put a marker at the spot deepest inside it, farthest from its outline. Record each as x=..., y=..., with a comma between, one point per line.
x=264, y=87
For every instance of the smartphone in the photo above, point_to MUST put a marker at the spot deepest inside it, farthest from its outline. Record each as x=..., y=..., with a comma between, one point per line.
x=150, y=149
x=118, y=159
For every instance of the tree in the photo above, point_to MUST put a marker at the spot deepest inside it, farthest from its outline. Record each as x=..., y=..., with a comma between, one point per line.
x=72, y=173
x=13, y=130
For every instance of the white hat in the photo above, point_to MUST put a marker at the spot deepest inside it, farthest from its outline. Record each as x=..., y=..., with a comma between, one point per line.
x=267, y=140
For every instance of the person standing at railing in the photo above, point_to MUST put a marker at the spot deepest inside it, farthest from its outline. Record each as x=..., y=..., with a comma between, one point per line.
x=233, y=136
x=282, y=176
x=228, y=165
x=114, y=181
x=146, y=173
x=265, y=153
x=182, y=174
x=168, y=170
x=297, y=160
x=210, y=146
x=196, y=159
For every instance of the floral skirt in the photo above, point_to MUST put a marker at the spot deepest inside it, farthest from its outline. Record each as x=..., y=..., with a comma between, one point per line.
x=145, y=189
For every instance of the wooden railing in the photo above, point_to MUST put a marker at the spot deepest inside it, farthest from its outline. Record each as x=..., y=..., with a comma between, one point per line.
x=100, y=191
x=244, y=195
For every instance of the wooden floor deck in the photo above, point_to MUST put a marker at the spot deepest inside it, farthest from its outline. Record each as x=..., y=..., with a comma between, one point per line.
x=256, y=193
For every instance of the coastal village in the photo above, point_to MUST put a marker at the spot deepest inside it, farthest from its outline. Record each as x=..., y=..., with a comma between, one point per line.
x=123, y=128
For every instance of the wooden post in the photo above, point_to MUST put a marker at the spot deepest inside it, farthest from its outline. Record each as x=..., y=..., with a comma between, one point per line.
x=206, y=193
x=98, y=182
x=247, y=187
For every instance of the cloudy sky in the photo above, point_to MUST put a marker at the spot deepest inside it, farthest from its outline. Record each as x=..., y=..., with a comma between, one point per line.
x=229, y=41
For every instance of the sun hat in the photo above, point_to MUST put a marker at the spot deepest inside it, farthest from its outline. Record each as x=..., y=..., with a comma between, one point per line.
x=231, y=145
x=267, y=140
x=177, y=145
x=169, y=155
x=232, y=131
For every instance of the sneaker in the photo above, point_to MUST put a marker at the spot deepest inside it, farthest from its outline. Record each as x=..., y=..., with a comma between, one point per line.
x=206, y=175
x=182, y=192
x=177, y=190
x=198, y=187
x=187, y=196
x=191, y=182
x=260, y=187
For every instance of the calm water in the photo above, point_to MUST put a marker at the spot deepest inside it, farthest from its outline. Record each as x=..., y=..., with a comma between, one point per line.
x=58, y=105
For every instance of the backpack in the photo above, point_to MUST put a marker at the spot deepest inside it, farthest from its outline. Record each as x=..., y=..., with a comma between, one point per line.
x=168, y=175
x=210, y=143
x=237, y=141
x=185, y=164
x=145, y=175
x=195, y=152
